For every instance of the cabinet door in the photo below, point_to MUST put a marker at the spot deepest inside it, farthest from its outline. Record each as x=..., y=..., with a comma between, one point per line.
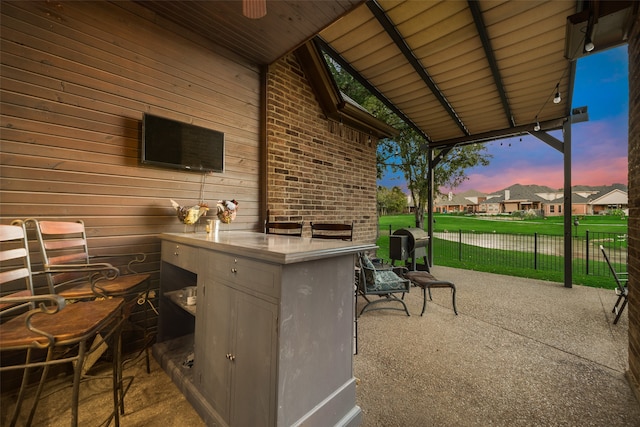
x=218, y=342
x=253, y=400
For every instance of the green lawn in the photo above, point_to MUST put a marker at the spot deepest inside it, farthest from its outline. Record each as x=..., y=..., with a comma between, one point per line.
x=500, y=262
x=505, y=225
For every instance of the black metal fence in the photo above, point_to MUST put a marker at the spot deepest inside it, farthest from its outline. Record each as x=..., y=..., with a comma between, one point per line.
x=537, y=251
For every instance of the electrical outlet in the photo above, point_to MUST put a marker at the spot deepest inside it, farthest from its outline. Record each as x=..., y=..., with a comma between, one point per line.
x=152, y=294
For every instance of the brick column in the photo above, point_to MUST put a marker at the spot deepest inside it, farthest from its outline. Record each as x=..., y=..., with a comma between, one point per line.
x=317, y=169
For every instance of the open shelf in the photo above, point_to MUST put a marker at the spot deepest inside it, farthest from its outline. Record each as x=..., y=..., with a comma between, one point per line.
x=177, y=297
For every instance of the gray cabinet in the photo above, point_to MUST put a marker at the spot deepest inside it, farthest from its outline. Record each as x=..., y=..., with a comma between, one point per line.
x=271, y=333
x=235, y=351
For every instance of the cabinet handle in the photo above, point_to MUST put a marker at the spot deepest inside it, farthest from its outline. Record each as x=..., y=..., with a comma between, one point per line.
x=230, y=357
x=234, y=270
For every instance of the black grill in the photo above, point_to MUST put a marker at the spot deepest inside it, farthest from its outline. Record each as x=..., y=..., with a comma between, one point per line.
x=409, y=243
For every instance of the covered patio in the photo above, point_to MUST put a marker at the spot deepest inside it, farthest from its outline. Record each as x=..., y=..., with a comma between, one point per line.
x=521, y=352
x=79, y=76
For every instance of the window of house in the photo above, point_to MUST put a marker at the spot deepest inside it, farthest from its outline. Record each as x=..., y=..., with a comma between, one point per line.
x=551, y=209
x=559, y=208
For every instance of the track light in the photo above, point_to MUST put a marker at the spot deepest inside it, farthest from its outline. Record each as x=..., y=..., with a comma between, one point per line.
x=588, y=44
x=557, y=98
x=537, y=126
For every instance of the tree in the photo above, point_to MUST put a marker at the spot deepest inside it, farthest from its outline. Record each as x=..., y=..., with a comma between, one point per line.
x=405, y=153
x=391, y=201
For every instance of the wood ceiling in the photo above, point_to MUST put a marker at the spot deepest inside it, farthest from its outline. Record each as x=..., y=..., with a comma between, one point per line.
x=457, y=71
x=287, y=25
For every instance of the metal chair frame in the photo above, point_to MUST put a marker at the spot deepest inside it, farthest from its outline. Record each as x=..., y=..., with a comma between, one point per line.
x=333, y=231
x=49, y=322
x=72, y=272
x=384, y=282
x=284, y=228
x=426, y=281
x=622, y=289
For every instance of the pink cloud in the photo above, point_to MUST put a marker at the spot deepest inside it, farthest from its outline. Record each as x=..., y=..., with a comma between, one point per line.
x=596, y=172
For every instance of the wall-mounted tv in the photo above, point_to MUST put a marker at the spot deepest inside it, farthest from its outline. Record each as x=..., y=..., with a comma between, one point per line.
x=173, y=144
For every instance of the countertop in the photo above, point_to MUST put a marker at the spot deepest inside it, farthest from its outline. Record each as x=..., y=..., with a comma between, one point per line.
x=269, y=247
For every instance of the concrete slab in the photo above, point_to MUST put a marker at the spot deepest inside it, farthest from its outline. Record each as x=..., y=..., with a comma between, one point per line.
x=520, y=353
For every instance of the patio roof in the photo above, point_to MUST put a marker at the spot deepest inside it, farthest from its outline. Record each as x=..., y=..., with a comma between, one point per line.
x=458, y=72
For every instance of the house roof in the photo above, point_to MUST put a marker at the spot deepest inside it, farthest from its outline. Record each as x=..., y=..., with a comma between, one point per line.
x=458, y=72
x=519, y=192
x=615, y=194
x=472, y=193
x=456, y=200
x=613, y=197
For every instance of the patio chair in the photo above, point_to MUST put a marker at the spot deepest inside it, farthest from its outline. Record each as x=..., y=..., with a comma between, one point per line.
x=70, y=270
x=61, y=329
x=284, y=228
x=332, y=231
x=622, y=289
x=383, y=282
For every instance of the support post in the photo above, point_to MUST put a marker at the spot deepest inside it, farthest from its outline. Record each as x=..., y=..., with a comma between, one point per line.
x=430, y=206
x=568, y=240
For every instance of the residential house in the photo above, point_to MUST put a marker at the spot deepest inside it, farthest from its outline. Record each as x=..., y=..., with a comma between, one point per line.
x=517, y=197
x=588, y=200
x=454, y=203
x=585, y=200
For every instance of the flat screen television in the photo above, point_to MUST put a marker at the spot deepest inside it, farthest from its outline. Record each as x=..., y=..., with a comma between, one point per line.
x=173, y=144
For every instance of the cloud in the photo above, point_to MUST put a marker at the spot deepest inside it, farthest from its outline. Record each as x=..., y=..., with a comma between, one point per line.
x=599, y=146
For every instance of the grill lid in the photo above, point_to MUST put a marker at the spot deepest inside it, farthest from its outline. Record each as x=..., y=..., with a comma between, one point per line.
x=418, y=238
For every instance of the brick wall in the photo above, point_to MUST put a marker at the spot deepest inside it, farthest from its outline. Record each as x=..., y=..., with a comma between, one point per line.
x=317, y=169
x=634, y=206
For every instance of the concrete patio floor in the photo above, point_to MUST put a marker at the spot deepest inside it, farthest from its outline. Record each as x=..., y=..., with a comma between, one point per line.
x=520, y=353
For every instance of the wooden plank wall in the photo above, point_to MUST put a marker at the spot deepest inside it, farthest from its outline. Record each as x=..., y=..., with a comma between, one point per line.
x=76, y=78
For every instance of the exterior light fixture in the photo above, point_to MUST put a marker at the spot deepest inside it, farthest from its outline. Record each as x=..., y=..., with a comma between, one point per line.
x=557, y=98
x=588, y=44
x=537, y=126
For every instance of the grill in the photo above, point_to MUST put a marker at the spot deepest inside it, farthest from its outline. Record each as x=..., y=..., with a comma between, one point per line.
x=409, y=243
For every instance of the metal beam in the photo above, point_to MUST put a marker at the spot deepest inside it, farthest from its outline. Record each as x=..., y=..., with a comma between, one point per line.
x=493, y=135
x=493, y=64
x=397, y=38
x=549, y=140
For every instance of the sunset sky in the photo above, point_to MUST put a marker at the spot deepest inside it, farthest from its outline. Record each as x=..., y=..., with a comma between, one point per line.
x=599, y=146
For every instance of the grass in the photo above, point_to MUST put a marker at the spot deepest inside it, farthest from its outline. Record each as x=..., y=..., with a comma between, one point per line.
x=499, y=262
x=553, y=226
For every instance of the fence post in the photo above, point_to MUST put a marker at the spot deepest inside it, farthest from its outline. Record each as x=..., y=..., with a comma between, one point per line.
x=389, y=229
x=460, y=245
x=586, y=263
x=535, y=251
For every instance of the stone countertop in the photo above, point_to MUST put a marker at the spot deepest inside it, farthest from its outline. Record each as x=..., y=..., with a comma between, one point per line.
x=269, y=247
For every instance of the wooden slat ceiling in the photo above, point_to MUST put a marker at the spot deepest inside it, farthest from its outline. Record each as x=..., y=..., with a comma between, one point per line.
x=457, y=71
x=442, y=77
x=287, y=24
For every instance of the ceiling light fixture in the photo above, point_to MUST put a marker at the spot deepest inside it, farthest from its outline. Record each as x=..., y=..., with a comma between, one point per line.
x=254, y=9
x=537, y=126
x=588, y=44
x=557, y=98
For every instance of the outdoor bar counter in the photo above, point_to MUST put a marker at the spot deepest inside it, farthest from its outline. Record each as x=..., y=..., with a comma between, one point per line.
x=269, y=341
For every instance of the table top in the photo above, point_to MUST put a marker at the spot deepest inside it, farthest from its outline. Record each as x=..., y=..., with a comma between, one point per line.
x=269, y=247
